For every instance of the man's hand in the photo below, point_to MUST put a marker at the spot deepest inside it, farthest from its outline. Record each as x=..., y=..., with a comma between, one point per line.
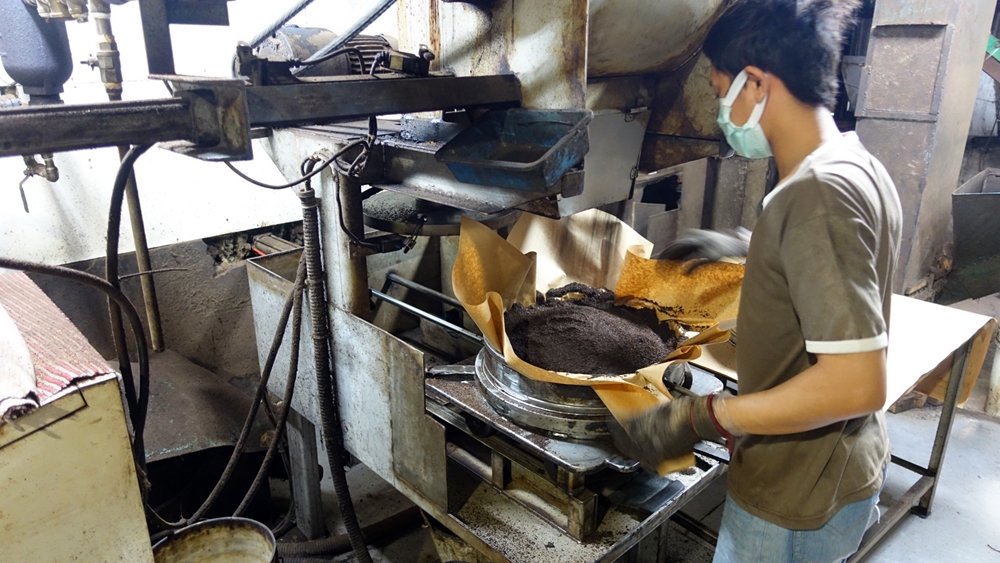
x=708, y=246
x=668, y=431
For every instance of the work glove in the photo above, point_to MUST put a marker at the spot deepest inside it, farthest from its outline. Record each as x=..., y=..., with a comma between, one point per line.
x=670, y=431
x=707, y=246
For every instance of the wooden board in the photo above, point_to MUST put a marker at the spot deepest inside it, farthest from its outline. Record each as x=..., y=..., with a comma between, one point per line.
x=922, y=340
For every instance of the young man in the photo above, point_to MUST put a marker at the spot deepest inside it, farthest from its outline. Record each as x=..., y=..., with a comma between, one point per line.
x=809, y=434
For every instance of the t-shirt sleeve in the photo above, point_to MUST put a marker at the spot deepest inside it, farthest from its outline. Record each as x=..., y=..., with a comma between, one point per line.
x=830, y=262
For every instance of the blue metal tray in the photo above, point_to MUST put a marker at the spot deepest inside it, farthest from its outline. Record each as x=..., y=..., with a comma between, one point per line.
x=519, y=149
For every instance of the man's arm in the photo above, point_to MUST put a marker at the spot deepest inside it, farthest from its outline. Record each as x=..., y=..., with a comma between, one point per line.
x=838, y=387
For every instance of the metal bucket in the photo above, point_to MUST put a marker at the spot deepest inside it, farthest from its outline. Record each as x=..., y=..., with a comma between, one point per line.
x=222, y=540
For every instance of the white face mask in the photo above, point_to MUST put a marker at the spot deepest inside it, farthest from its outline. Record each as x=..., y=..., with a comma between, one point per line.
x=748, y=139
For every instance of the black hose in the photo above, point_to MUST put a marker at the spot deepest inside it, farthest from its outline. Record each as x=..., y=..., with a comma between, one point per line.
x=293, y=365
x=251, y=416
x=394, y=525
x=333, y=436
x=323, y=164
x=137, y=402
x=115, y=295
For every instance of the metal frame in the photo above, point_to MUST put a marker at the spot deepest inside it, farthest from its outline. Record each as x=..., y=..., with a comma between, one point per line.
x=421, y=441
x=214, y=116
x=919, y=498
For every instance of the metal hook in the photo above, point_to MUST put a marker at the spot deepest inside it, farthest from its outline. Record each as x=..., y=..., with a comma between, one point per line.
x=20, y=187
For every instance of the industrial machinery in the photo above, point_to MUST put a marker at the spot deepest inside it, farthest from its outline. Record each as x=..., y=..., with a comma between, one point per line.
x=540, y=108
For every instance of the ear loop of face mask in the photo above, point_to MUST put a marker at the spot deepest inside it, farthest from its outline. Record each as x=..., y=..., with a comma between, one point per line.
x=735, y=87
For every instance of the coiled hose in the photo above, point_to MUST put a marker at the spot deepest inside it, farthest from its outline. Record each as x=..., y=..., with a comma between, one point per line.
x=333, y=436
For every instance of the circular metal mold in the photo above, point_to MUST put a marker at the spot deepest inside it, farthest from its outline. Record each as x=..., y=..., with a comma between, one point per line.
x=562, y=411
x=393, y=212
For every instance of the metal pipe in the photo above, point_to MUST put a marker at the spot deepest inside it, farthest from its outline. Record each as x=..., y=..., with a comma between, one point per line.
x=349, y=284
x=479, y=468
x=86, y=126
x=409, y=284
x=352, y=32
x=457, y=330
x=276, y=24
x=144, y=262
x=111, y=76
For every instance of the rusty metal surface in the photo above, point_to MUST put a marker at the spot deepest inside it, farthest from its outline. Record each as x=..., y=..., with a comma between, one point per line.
x=639, y=36
x=354, y=97
x=33, y=129
x=543, y=41
x=60, y=353
x=915, y=102
x=663, y=151
x=685, y=104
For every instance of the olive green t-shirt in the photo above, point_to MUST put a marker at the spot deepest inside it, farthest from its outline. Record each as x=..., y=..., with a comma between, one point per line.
x=818, y=281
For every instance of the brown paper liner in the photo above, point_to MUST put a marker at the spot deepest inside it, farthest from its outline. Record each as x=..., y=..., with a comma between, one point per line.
x=597, y=249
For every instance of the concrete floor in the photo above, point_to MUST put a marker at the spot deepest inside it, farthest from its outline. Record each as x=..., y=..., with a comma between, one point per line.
x=964, y=525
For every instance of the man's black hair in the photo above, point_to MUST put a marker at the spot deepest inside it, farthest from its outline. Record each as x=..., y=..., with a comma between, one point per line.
x=799, y=41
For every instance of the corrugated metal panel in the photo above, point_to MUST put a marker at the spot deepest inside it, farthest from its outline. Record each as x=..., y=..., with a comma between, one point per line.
x=60, y=352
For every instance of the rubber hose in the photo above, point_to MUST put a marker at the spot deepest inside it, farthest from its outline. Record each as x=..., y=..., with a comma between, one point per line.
x=265, y=375
x=115, y=295
x=333, y=434
x=392, y=526
x=258, y=398
x=137, y=402
x=293, y=365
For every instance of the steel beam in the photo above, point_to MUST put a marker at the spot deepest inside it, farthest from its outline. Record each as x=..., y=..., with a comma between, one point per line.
x=156, y=34
x=340, y=100
x=211, y=115
x=34, y=129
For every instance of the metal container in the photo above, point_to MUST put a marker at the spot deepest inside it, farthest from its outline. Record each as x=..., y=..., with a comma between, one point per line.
x=222, y=540
x=34, y=52
x=562, y=411
x=974, y=207
x=518, y=148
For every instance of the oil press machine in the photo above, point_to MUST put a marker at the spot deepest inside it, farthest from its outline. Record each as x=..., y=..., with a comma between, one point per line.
x=563, y=90
x=518, y=470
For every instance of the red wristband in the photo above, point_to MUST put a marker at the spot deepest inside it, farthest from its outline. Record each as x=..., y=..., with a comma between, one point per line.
x=726, y=435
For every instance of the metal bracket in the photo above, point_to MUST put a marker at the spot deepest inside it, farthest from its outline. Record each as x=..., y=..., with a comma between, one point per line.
x=222, y=120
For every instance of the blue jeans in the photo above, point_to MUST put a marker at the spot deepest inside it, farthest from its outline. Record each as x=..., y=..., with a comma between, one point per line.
x=745, y=538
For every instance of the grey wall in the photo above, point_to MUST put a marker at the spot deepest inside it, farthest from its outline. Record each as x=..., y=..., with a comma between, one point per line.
x=205, y=310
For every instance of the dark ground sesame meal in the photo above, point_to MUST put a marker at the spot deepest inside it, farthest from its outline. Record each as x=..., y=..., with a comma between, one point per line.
x=578, y=329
